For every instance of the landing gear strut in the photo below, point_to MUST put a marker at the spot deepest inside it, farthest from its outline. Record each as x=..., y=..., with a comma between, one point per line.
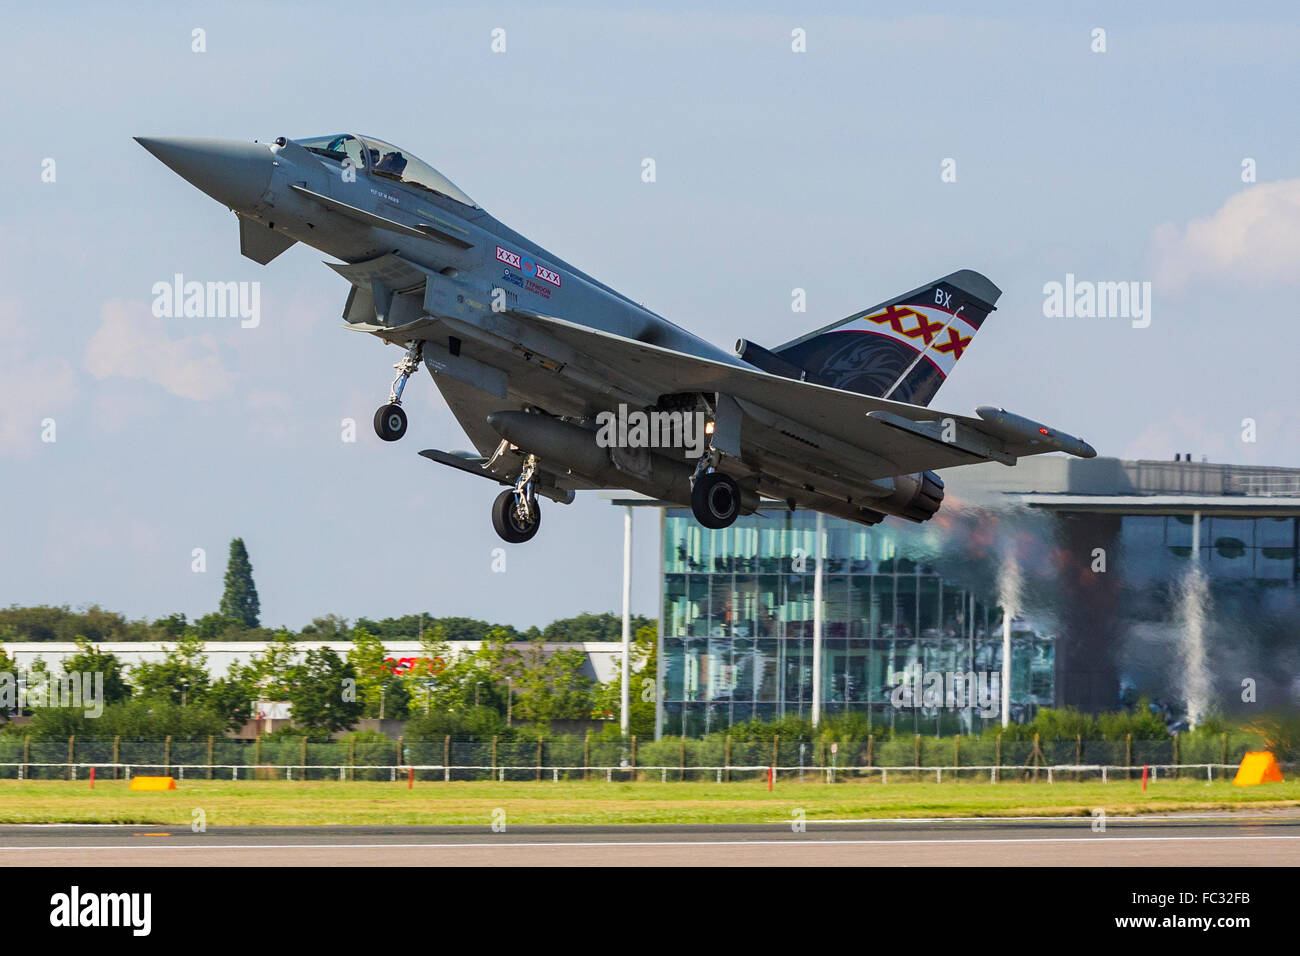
x=715, y=496
x=516, y=513
x=390, y=419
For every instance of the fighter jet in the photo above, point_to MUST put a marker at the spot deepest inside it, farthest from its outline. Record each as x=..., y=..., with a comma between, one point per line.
x=563, y=384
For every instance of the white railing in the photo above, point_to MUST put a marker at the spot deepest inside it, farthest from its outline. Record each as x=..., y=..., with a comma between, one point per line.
x=1266, y=486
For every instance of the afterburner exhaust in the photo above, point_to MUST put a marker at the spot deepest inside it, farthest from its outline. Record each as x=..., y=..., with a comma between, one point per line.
x=916, y=497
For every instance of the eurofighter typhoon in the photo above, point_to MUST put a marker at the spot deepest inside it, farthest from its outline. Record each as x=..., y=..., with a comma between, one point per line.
x=563, y=384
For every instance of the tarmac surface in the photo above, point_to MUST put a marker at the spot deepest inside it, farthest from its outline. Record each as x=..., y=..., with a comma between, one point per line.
x=1177, y=840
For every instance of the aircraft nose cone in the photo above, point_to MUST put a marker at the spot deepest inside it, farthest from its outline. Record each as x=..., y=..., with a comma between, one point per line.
x=231, y=172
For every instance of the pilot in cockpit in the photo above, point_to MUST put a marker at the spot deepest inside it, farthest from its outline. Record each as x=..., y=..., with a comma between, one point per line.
x=393, y=163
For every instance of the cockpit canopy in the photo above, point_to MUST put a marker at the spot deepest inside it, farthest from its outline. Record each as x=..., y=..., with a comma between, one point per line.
x=384, y=159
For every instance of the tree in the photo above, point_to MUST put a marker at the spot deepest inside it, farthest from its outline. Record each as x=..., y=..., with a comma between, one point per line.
x=89, y=660
x=641, y=684
x=46, y=623
x=591, y=627
x=173, y=625
x=218, y=627
x=240, y=598
x=318, y=692
x=231, y=698
x=381, y=692
x=464, y=681
x=9, y=675
x=271, y=672
x=181, y=677
x=549, y=686
x=327, y=627
x=476, y=721
x=134, y=717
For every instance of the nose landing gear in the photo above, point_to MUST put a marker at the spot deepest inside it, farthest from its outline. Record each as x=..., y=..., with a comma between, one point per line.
x=516, y=513
x=390, y=422
x=390, y=419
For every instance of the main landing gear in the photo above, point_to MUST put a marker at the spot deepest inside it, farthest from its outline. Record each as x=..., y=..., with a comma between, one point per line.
x=516, y=513
x=390, y=419
x=715, y=496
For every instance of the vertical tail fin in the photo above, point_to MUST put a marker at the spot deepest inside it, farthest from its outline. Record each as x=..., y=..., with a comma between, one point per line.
x=903, y=349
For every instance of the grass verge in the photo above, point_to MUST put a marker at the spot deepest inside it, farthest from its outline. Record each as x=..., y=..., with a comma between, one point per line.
x=276, y=802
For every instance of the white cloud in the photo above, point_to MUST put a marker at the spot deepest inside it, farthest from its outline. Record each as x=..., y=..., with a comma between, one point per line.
x=132, y=343
x=1253, y=237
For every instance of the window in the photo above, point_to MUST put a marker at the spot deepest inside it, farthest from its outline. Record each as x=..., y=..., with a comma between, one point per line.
x=392, y=163
x=338, y=148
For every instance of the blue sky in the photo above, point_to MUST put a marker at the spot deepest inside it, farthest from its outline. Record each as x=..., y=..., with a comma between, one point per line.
x=775, y=170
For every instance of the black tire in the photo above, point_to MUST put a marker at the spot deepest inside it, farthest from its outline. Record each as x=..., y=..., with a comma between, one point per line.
x=715, y=500
x=506, y=523
x=390, y=422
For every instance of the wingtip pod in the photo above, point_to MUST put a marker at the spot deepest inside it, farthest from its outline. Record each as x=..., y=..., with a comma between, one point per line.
x=1018, y=428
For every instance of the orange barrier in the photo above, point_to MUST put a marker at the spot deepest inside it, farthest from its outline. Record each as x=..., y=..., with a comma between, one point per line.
x=153, y=783
x=1258, y=766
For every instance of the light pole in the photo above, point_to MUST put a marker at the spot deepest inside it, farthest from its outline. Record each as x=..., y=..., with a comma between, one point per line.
x=817, y=622
x=627, y=620
x=1006, y=666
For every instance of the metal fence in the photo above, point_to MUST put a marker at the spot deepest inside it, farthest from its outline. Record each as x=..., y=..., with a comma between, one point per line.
x=519, y=756
x=623, y=772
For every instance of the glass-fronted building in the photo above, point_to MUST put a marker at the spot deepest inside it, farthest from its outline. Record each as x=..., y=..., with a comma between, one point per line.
x=1112, y=570
x=738, y=618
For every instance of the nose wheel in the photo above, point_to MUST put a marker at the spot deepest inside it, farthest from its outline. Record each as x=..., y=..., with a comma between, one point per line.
x=390, y=422
x=390, y=419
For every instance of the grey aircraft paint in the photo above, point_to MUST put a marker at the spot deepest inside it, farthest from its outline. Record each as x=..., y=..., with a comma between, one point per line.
x=836, y=421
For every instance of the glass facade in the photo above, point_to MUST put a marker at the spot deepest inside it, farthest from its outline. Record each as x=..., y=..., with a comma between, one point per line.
x=738, y=628
x=1102, y=617
x=1260, y=549
x=1244, y=600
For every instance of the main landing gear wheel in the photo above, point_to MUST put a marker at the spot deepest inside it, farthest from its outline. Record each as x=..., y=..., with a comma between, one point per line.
x=390, y=422
x=508, y=522
x=715, y=499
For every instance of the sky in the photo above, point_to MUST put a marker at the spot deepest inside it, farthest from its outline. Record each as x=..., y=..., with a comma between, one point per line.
x=896, y=148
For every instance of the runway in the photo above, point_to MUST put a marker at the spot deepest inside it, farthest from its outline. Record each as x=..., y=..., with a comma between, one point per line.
x=1208, y=840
